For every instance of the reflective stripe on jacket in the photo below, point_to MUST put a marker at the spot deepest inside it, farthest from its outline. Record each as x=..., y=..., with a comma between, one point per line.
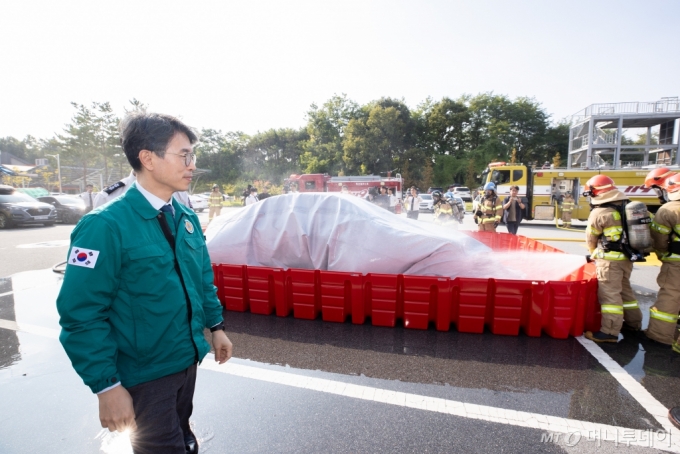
x=665, y=229
x=604, y=222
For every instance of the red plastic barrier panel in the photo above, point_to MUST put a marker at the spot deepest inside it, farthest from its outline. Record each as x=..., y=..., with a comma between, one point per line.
x=472, y=300
x=383, y=298
x=232, y=289
x=562, y=302
x=532, y=313
x=340, y=292
x=557, y=308
x=422, y=297
x=509, y=299
x=266, y=290
x=302, y=295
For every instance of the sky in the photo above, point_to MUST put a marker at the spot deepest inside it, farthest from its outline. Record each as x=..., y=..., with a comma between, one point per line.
x=254, y=65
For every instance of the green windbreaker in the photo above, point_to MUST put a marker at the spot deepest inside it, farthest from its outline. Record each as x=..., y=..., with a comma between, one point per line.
x=122, y=309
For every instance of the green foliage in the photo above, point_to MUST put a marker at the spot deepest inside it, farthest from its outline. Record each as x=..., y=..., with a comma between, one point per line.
x=437, y=143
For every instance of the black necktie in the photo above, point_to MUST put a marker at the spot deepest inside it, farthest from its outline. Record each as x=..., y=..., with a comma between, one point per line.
x=167, y=209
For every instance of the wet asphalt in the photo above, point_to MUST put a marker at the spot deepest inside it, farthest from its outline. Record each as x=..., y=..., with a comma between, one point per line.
x=44, y=407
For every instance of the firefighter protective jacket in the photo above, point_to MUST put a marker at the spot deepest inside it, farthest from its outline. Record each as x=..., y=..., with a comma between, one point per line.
x=215, y=199
x=491, y=209
x=604, y=223
x=444, y=211
x=665, y=230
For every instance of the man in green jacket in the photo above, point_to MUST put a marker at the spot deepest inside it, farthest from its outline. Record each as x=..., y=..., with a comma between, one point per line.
x=138, y=293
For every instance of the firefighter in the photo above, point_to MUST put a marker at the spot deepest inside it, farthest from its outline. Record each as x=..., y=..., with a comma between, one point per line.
x=665, y=230
x=215, y=201
x=567, y=208
x=603, y=235
x=656, y=180
x=489, y=210
x=446, y=212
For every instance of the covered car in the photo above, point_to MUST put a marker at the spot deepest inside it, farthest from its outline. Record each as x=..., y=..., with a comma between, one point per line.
x=69, y=208
x=17, y=208
x=336, y=232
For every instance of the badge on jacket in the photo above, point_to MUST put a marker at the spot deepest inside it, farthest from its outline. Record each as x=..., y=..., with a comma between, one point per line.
x=189, y=226
x=83, y=257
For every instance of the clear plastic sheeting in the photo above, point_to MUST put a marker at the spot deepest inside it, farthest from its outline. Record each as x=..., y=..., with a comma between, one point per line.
x=336, y=232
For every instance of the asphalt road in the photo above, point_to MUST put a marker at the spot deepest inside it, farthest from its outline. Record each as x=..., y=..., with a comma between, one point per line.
x=309, y=386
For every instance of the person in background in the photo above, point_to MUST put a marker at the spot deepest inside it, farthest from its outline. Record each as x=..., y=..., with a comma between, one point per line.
x=489, y=210
x=88, y=197
x=382, y=199
x=264, y=194
x=413, y=204
x=215, y=202
x=246, y=194
x=119, y=188
x=344, y=190
x=567, y=208
x=393, y=200
x=252, y=198
x=513, y=207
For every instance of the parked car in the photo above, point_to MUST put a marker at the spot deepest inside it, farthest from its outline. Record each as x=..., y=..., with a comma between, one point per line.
x=17, y=208
x=467, y=200
x=199, y=203
x=461, y=190
x=430, y=190
x=69, y=208
x=426, y=204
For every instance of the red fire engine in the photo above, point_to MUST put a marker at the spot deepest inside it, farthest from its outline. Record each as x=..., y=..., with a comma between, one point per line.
x=355, y=185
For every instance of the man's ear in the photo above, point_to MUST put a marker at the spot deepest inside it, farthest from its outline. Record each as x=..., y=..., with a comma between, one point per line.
x=146, y=158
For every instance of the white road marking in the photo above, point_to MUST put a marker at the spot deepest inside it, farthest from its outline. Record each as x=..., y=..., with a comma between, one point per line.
x=54, y=243
x=575, y=428
x=28, y=328
x=584, y=430
x=5, y=294
x=639, y=393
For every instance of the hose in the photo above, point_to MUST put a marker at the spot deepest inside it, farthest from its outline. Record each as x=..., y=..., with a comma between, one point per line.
x=59, y=268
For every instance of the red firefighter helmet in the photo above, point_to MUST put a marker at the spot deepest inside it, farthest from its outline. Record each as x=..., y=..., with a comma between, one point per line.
x=672, y=183
x=598, y=185
x=657, y=177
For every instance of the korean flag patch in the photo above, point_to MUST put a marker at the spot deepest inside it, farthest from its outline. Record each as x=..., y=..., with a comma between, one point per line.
x=83, y=257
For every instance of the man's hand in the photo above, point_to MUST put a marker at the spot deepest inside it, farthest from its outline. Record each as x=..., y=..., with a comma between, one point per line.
x=222, y=346
x=116, y=411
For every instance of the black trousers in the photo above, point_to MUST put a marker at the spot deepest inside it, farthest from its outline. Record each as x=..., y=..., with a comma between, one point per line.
x=412, y=214
x=162, y=410
x=512, y=227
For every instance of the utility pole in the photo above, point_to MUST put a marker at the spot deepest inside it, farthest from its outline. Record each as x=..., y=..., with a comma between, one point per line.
x=58, y=169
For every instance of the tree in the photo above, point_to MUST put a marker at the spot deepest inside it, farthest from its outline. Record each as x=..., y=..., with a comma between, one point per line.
x=322, y=151
x=79, y=143
x=375, y=141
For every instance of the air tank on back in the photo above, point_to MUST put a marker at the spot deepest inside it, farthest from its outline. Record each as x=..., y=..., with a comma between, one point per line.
x=637, y=218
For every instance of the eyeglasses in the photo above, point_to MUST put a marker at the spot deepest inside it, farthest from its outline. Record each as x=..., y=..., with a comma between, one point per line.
x=189, y=158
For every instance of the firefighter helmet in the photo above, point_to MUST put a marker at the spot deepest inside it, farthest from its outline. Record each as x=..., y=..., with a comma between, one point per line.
x=657, y=177
x=436, y=196
x=490, y=186
x=598, y=185
x=672, y=183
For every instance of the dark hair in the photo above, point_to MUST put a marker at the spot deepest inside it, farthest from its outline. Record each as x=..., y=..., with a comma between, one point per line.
x=514, y=187
x=150, y=131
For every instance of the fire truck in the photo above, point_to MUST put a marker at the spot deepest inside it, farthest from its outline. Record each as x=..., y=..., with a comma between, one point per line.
x=542, y=190
x=355, y=185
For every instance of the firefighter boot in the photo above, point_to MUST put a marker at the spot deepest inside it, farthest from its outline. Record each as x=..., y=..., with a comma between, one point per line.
x=601, y=337
x=674, y=416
